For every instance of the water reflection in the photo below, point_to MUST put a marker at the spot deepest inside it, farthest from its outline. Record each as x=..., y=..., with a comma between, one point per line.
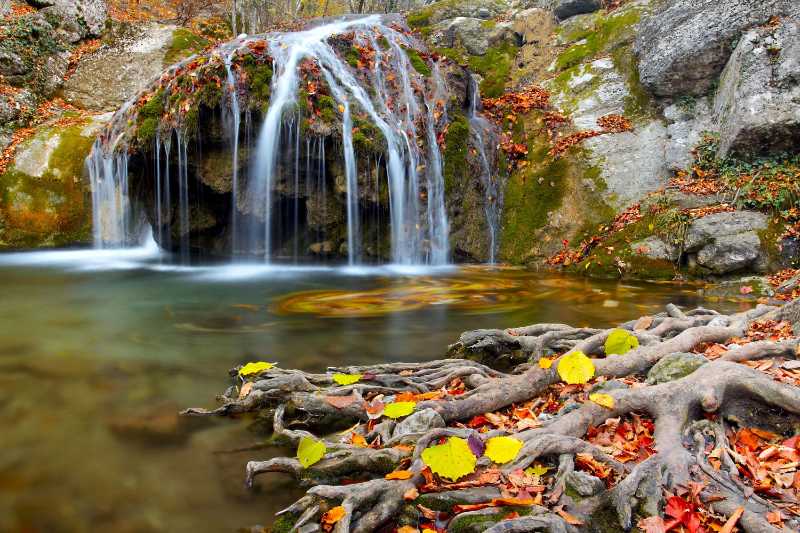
x=95, y=362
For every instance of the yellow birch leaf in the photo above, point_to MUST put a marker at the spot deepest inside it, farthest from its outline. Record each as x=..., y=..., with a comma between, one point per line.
x=605, y=400
x=502, y=449
x=398, y=409
x=347, y=379
x=452, y=460
x=251, y=369
x=310, y=451
x=545, y=362
x=575, y=368
x=537, y=470
x=620, y=342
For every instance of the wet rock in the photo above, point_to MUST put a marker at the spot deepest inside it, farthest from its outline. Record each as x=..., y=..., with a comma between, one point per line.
x=731, y=253
x=758, y=102
x=419, y=422
x=705, y=230
x=684, y=45
x=655, y=248
x=127, y=65
x=466, y=31
x=674, y=366
x=570, y=8
x=584, y=484
x=322, y=248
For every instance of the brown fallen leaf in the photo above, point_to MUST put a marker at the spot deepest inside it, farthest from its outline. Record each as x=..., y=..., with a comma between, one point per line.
x=731, y=523
x=643, y=323
x=571, y=520
x=652, y=524
x=340, y=402
x=411, y=494
x=245, y=390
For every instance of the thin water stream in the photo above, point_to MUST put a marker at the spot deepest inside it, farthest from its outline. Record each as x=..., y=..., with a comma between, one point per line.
x=100, y=349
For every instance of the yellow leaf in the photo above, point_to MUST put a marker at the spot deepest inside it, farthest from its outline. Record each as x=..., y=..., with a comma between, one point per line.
x=606, y=400
x=310, y=451
x=575, y=368
x=502, y=449
x=333, y=515
x=347, y=379
x=407, y=529
x=428, y=530
x=545, y=362
x=452, y=460
x=398, y=409
x=537, y=470
x=251, y=369
x=651, y=227
x=341, y=108
x=620, y=342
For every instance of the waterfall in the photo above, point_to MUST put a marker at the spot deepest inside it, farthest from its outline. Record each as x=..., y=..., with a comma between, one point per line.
x=483, y=134
x=405, y=109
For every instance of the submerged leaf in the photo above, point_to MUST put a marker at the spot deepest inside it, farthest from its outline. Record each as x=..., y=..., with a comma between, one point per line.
x=452, y=460
x=398, y=409
x=575, y=368
x=620, y=341
x=347, y=379
x=605, y=400
x=503, y=449
x=251, y=369
x=310, y=451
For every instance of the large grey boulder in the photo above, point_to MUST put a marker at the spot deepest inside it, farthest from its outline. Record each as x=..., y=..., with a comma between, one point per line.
x=683, y=45
x=569, y=8
x=686, y=123
x=758, y=102
x=87, y=16
x=727, y=242
x=122, y=68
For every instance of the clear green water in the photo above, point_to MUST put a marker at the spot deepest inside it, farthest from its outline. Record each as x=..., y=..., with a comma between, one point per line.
x=99, y=352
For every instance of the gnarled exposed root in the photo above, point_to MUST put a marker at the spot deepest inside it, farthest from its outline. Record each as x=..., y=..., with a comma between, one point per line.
x=451, y=392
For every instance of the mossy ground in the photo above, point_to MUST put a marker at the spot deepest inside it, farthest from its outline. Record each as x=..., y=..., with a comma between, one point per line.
x=455, y=153
x=184, y=44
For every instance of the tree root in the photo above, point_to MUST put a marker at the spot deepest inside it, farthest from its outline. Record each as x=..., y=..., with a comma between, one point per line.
x=687, y=426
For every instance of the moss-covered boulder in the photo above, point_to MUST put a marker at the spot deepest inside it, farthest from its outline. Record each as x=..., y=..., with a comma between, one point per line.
x=675, y=366
x=45, y=198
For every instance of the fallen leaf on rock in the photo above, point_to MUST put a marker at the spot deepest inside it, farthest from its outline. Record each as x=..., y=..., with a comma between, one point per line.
x=503, y=449
x=251, y=369
x=545, y=362
x=643, y=323
x=652, y=524
x=605, y=400
x=333, y=515
x=411, y=494
x=399, y=474
x=399, y=409
x=731, y=523
x=245, y=390
x=310, y=451
x=575, y=368
x=452, y=460
x=340, y=402
x=347, y=379
x=571, y=520
x=620, y=342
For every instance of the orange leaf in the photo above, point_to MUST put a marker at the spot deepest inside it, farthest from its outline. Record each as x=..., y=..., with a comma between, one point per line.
x=399, y=474
x=340, y=402
x=333, y=515
x=569, y=518
x=411, y=494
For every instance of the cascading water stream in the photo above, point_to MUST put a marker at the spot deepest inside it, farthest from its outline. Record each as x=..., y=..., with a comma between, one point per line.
x=483, y=134
x=406, y=109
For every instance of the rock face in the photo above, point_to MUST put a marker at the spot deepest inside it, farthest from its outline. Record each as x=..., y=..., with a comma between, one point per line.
x=44, y=196
x=758, y=103
x=684, y=45
x=727, y=242
x=133, y=59
x=83, y=18
x=570, y=8
x=686, y=123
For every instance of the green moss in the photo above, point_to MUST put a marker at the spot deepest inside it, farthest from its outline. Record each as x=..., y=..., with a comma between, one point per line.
x=327, y=108
x=638, y=103
x=608, y=31
x=184, y=44
x=352, y=56
x=259, y=76
x=494, y=67
x=417, y=62
x=149, y=118
x=284, y=523
x=420, y=19
x=455, y=154
x=366, y=137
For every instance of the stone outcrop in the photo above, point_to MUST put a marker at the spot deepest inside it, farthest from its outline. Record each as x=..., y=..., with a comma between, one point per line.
x=684, y=45
x=758, y=102
x=134, y=57
x=727, y=242
x=79, y=18
x=570, y=8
